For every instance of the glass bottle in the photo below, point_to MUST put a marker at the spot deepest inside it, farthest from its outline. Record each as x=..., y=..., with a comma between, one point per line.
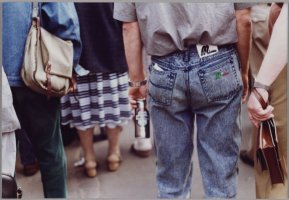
x=142, y=120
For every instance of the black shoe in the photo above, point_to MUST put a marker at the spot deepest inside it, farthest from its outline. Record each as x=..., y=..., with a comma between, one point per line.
x=68, y=135
x=246, y=158
x=31, y=169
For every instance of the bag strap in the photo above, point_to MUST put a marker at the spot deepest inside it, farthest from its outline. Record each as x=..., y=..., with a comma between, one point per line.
x=35, y=15
x=260, y=98
x=35, y=10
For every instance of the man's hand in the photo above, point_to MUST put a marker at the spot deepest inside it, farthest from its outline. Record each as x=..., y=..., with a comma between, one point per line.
x=137, y=93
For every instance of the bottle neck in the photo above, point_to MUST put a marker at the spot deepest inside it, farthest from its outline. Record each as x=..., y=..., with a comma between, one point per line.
x=141, y=105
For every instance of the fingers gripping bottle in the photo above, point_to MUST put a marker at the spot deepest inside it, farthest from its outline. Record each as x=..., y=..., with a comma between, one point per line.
x=142, y=120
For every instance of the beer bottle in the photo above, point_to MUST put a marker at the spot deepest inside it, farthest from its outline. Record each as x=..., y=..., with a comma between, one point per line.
x=142, y=120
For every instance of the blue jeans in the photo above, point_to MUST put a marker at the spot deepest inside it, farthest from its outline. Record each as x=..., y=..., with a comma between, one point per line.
x=185, y=87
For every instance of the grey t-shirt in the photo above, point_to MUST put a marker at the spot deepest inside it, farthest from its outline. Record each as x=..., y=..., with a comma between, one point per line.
x=168, y=27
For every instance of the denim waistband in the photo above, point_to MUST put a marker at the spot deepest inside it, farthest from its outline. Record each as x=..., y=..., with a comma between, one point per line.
x=191, y=56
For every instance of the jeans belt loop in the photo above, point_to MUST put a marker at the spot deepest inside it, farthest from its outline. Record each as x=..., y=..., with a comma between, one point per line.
x=186, y=55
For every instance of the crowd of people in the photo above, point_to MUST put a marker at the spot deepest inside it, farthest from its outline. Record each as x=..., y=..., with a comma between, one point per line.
x=205, y=59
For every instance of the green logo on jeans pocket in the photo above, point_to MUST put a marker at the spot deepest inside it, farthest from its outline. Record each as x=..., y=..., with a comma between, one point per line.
x=218, y=75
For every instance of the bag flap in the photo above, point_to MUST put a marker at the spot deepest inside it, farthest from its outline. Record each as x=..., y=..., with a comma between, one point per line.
x=57, y=53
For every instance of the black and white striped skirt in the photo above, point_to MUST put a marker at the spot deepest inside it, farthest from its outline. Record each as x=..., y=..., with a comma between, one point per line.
x=100, y=99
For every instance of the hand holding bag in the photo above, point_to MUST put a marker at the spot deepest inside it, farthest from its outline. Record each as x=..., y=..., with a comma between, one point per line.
x=267, y=146
x=48, y=60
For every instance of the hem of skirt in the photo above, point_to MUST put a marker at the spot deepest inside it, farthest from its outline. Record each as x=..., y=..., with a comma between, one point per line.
x=110, y=124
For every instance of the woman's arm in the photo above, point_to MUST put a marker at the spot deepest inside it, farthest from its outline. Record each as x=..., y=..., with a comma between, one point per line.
x=274, y=61
x=277, y=53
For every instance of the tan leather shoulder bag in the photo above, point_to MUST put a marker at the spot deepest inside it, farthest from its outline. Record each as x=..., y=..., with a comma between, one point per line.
x=48, y=60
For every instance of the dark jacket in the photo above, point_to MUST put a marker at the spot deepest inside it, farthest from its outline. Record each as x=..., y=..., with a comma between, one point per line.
x=101, y=36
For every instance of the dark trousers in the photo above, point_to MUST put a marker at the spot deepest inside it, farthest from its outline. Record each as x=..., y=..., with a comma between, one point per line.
x=40, y=118
x=26, y=149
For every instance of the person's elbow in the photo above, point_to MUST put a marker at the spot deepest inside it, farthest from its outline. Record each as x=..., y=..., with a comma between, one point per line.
x=129, y=27
x=243, y=18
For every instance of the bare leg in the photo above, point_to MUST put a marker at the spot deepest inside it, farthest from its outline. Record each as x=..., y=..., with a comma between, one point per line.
x=113, y=159
x=86, y=140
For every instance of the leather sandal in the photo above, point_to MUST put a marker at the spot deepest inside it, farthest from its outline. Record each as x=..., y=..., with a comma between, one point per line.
x=90, y=168
x=113, y=162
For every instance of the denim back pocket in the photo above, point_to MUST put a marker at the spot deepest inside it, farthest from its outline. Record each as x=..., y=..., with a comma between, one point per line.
x=161, y=85
x=221, y=80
